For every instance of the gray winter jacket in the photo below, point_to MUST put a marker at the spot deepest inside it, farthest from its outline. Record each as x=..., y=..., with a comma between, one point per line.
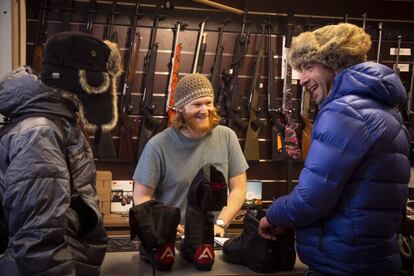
x=47, y=185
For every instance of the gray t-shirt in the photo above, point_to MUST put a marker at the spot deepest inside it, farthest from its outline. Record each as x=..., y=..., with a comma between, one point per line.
x=170, y=161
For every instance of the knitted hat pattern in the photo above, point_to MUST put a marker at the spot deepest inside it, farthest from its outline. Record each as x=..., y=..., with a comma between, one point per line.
x=191, y=87
x=335, y=46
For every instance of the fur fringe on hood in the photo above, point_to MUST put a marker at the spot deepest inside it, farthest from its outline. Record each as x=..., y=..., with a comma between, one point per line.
x=336, y=46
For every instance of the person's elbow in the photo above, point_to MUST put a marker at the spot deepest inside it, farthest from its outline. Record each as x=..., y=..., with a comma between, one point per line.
x=142, y=193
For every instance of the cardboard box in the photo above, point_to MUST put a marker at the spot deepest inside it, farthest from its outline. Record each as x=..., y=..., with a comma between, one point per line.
x=103, y=185
x=103, y=175
x=105, y=207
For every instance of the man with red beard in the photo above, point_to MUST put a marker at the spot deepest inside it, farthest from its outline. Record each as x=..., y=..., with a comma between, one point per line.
x=172, y=158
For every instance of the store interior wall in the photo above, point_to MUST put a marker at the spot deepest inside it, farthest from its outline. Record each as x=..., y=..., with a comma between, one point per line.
x=308, y=15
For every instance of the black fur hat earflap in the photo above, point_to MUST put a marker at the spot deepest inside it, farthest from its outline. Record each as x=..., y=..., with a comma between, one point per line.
x=88, y=68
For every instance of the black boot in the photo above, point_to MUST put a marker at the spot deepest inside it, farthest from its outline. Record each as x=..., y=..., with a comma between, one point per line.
x=259, y=254
x=208, y=192
x=197, y=246
x=155, y=224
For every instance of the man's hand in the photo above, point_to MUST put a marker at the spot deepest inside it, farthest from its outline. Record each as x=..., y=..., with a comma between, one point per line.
x=269, y=231
x=218, y=231
x=180, y=230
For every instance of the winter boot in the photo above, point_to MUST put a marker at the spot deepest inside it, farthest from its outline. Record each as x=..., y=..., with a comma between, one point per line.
x=208, y=192
x=258, y=254
x=155, y=224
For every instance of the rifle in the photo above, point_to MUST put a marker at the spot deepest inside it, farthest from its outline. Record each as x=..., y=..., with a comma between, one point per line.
x=38, y=52
x=379, y=41
x=90, y=17
x=216, y=69
x=274, y=106
x=290, y=138
x=66, y=11
x=111, y=34
x=149, y=123
x=306, y=103
x=364, y=20
x=126, y=151
x=251, y=145
x=397, y=56
x=104, y=147
x=307, y=131
x=230, y=97
x=88, y=29
x=402, y=107
x=410, y=113
x=175, y=68
x=201, y=49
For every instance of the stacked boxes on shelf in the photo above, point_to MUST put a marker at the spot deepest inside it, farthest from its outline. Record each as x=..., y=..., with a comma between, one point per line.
x=103, y=188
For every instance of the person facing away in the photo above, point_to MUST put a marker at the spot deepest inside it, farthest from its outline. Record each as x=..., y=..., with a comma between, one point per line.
x=352, y=191
x=172, y=158
x=52, y=221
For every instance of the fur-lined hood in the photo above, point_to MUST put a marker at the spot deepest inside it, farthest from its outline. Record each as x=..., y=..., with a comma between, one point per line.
x=335, y=46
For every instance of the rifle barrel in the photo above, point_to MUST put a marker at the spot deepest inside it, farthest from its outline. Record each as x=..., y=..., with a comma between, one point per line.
x=199, y=42
x=170, y=78
x=379, y=41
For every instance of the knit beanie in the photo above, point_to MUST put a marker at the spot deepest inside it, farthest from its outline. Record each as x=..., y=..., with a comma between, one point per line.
x=190, y=87
x=335, y=46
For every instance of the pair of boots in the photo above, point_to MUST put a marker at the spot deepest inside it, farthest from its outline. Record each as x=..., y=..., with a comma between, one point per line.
x=155, y=224
x=257, y=253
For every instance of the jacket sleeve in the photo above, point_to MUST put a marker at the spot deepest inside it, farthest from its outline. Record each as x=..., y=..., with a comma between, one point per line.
x=37, y=195
x=340, y=139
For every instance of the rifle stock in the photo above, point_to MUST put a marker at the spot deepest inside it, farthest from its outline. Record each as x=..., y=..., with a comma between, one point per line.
x=126, y=150
x=66, y=12
x=251, y=145
x=230, y=97
x=202, y=54
x=290, y=138
x=174, y=82
x=273, y=104
x=307, y=130
x=410, y=113
x=90, y=18
x=38, y=52
x=149, y=123
x=175, y=69
x=104, y=147
x=37, y=58
x=216, y=69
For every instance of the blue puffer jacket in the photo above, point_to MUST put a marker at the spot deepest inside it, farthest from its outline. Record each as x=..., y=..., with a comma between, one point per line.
x=348, y=204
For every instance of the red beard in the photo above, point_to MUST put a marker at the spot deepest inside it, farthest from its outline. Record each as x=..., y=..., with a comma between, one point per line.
x=202, y=127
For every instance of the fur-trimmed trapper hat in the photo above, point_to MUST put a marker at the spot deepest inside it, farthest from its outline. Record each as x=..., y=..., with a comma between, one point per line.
x=335, y=46
x=88, y=68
